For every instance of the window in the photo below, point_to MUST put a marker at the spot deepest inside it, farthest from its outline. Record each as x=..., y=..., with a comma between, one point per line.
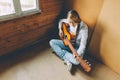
x=10, y=9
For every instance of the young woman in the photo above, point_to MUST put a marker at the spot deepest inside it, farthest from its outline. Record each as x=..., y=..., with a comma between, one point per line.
x=79, y=30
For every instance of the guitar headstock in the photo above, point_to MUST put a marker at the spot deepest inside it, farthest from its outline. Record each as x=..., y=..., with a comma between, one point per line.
x=88, y=68
x=87, y=63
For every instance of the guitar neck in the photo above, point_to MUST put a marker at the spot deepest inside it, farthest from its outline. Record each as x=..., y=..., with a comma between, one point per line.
x=73, y=50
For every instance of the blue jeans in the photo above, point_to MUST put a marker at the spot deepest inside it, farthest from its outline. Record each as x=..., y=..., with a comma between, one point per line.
x=63, y=51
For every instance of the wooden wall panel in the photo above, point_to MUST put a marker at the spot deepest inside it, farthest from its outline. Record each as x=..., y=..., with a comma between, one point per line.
x=20, y=32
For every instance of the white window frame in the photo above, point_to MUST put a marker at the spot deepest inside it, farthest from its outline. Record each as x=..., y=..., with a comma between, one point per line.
x=19, y=13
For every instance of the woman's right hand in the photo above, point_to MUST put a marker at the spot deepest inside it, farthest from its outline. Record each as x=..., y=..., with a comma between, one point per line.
x=61, y=34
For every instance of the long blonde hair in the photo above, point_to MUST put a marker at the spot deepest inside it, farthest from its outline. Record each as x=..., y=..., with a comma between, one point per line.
x=74, y=16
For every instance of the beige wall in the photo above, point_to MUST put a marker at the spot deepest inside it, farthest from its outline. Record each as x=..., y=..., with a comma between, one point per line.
x=105, y=43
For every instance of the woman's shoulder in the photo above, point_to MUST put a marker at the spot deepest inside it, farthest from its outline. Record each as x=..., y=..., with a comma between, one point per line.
x=83, y=25
x=64, y=20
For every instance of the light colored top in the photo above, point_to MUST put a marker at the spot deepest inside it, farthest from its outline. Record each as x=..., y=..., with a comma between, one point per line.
x=81, y=39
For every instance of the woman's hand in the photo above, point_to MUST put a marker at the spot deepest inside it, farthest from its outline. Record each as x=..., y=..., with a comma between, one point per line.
x=76, y=56
x=61, y=34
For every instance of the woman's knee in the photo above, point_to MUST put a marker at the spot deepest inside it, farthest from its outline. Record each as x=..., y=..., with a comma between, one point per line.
x=52, y=42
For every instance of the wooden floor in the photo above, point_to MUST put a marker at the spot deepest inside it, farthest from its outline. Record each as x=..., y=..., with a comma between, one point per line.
x=39, y=63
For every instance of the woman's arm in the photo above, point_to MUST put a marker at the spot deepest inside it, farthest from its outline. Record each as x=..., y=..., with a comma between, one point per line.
x=84, y=36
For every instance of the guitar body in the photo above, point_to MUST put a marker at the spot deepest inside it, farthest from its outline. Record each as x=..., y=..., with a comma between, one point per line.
x=66, y=41
x=66, y=33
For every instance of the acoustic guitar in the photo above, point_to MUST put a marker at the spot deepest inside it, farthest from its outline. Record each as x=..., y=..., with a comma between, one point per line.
x=66, y=40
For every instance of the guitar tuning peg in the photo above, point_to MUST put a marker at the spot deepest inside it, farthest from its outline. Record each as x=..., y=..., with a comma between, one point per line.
x=89, y=64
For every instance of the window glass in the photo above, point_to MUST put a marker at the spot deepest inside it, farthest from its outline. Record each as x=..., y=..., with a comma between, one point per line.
x=10, y=9
x=28, y=4
x=6, y=7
